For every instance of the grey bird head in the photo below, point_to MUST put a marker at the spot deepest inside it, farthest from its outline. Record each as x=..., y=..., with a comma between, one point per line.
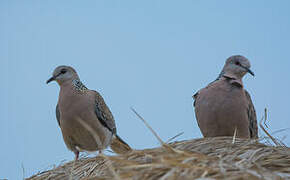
x=62, y=74
x=237, y=66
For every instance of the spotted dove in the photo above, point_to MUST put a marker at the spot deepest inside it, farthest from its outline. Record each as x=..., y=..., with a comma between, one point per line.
x=224, y=106
x=85, y=120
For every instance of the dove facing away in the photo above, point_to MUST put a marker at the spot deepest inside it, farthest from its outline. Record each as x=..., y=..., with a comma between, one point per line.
x=85, y=120
x=224, y=107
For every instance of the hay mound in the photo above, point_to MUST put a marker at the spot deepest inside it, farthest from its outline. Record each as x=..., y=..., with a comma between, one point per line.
x=208, y=158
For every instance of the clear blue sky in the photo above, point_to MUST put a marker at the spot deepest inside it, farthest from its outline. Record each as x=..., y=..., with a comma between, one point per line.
x=152, y=55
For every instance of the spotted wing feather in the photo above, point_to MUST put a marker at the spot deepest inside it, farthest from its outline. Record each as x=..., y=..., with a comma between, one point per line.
x=253, y=128
x=104, y=114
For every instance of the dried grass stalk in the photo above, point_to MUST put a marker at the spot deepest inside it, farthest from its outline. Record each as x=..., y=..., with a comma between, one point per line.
x=207, y=158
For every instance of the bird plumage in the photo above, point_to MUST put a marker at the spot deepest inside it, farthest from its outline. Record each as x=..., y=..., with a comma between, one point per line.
x=224, y=105
x=85, y=120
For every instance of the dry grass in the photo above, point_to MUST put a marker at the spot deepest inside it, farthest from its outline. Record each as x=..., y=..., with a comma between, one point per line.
x=207, y=158
x=202, y=159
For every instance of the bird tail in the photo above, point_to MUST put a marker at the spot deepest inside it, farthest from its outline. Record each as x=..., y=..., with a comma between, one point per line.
x=119, y=146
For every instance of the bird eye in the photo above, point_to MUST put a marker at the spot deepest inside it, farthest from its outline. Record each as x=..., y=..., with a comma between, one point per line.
x=63, y=71
x=238, y=63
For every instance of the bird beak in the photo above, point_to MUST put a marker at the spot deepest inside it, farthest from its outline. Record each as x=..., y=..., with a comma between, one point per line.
x=50, y=79
x=249, y=71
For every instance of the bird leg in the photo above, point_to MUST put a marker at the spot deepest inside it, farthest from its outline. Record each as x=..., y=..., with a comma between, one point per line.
x=76, y=155
x=100, y=152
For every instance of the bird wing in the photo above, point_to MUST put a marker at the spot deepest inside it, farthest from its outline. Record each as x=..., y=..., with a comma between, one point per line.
x=104, y=114
x=210, y=84
x=194, y=98
x=253, y=128
x=57, y=113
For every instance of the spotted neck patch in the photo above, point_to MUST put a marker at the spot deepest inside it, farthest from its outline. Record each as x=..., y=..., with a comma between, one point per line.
x=79, y=86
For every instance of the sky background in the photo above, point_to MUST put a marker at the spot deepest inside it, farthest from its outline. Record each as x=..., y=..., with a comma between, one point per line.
x=151, y=55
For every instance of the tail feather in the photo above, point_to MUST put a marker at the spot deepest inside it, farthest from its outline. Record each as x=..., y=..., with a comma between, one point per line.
x=119, y=146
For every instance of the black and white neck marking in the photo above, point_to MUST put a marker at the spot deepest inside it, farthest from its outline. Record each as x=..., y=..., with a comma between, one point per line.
x=79, y=86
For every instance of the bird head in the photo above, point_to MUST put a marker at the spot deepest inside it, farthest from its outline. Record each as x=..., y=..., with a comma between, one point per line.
x=63, y=74
x=237, y=66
